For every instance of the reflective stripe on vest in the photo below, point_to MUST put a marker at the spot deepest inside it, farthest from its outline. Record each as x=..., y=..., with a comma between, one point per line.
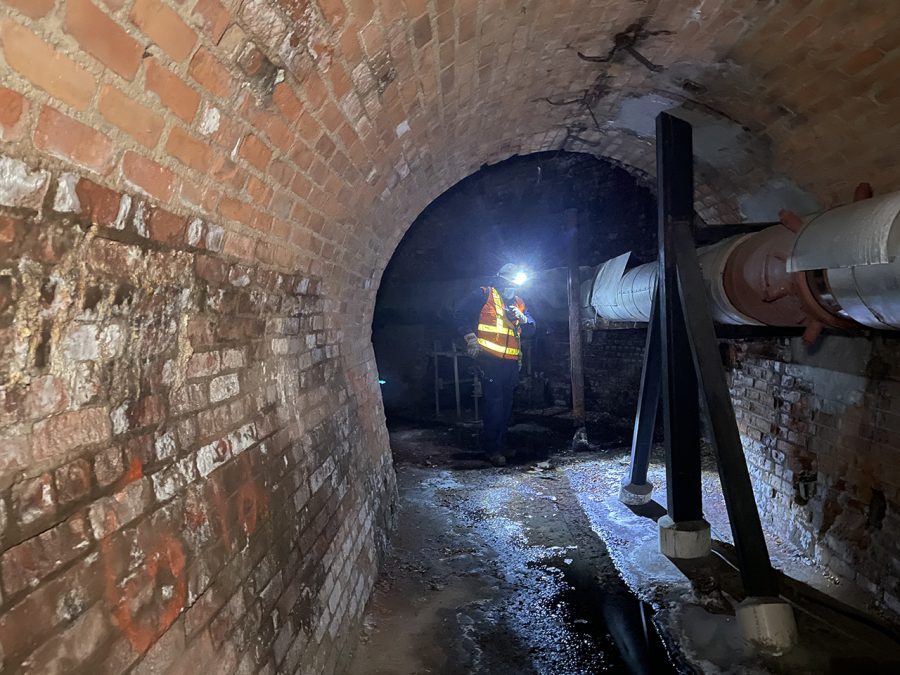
x=503, y=351
x=496, y=333
x=500, y=330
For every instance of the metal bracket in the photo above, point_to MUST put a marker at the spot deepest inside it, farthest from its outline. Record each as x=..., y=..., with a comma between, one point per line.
x=635, y=488
x=753, y=555
x=680, y=400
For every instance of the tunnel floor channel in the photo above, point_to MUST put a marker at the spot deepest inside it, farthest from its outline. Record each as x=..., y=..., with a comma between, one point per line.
x=498, y=571
x=536, y=567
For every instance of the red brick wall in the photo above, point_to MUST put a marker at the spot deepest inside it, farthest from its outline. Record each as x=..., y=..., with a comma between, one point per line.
x=185, y=477
x=823, y=443
x=194, y=469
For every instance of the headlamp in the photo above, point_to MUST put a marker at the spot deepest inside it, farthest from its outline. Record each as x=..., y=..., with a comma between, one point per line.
x=520, y=278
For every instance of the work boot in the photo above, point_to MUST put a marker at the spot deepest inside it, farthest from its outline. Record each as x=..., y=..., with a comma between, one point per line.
x=580, y=441
x=497, y=459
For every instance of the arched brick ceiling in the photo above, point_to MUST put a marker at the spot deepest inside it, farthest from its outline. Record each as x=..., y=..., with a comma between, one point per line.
x=800, y=88
x=378, y=106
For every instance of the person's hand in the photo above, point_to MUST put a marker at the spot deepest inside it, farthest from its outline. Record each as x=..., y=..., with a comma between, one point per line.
x=472, y=346
x=518, y=314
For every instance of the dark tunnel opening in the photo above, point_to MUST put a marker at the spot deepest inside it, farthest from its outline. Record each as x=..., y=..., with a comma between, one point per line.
x=512, y=212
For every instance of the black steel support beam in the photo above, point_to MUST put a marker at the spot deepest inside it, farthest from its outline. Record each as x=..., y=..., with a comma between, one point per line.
x=711, y=234
x=681, y=410
x=756, y=570
x=648, y=403
x=726, y=332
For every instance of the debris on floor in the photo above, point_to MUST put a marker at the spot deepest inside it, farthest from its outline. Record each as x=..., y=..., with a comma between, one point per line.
x=498, y=571
x=511, y=580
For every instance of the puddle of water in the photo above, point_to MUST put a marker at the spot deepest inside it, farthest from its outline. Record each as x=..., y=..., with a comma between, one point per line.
x=572, y=618
x=616, y=622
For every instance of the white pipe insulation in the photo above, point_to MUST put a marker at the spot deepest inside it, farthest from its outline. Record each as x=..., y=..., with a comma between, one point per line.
x=843, y=267
x=629, y=296
x=856, y=249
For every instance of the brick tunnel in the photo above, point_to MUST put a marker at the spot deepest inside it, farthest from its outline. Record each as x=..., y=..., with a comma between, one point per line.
x=198, y=201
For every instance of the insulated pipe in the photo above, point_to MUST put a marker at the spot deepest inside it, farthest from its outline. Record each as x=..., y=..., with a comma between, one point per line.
x=630, y=297
x=787, y=275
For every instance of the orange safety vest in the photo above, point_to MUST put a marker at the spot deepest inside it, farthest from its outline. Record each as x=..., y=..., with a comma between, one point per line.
x=496, y=333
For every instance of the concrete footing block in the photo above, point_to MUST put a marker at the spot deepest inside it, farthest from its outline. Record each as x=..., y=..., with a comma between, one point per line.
x=768, y=623
x=687, y=539
x=635, y=495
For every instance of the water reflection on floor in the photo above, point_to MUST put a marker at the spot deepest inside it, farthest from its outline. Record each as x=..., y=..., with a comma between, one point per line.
x=537, y=568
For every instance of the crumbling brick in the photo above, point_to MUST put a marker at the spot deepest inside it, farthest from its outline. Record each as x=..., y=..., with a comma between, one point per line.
x=324, y=187
x=108, y=466
x=36, y=558
x=13, y=111
x=111, y=513
x=44, y=396
x=34, y=499
x=20, y=187
x=57, y=435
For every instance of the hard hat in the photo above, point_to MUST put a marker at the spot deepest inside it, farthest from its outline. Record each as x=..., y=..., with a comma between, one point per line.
x=513, y=273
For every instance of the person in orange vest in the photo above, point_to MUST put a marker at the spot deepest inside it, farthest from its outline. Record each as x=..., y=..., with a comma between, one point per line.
x=493, y=320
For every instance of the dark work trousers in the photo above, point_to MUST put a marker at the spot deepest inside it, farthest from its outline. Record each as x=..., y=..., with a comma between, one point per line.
x=499, y=380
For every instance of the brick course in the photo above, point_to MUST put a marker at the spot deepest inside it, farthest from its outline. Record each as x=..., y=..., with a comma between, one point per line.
x=147, y=176
x=163, y=25
x=173, y=92
x=13, y=109
x=144, y=125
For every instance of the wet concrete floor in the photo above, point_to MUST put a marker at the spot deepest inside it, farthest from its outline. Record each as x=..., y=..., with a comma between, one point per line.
x=537, y=568
x=498, y=571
